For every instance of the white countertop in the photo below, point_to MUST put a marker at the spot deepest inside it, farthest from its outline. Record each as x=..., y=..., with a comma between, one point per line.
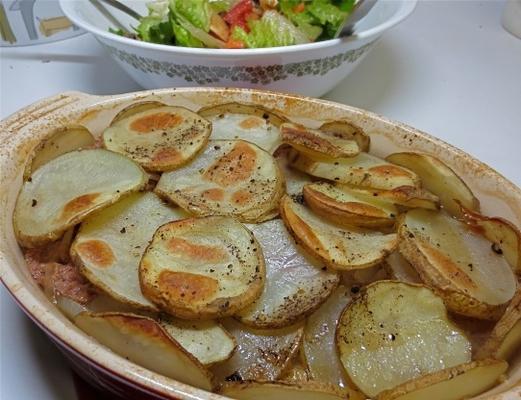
x=450, y=70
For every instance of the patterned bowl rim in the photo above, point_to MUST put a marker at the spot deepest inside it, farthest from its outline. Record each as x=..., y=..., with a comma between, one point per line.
x=19, y=134
x=406, y=7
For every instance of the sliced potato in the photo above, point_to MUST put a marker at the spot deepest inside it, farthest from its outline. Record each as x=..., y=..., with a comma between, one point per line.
x=252, y=123
x=505, y=338
x=319, y=347
x=363, y=170
x=295, y=283
x=394, y=332
x=317, y=143
x=207, y=341
x=339, y=248
x=295, y=180
x=502, y=233
x=201, y=268
x=262, y=355
x=136, y=108
x=460, y=382
x=110, y=244
x=144, y=342
x=348, y=130
x=159, y=138
x=400, y=269
x=458, y=264
x=407, y=196
x=67, y=189
x=251, y=390
x=232, y=177
x=343, y=206
x=61, y=141
x=438, y=178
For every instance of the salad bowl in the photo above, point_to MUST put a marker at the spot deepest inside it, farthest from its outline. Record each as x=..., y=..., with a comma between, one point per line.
x=24, y=130
x=311, y=69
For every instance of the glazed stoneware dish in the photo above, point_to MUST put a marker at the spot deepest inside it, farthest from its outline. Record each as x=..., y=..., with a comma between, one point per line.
x=309, y=69
x=22, y=132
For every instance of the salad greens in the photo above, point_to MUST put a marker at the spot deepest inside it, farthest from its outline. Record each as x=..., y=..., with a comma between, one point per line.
x=241, y=23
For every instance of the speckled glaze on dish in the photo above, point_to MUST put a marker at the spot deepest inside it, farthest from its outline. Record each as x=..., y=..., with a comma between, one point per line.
x=21, y=132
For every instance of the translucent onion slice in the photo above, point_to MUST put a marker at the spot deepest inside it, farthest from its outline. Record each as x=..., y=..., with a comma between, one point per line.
x=319, y=345
x=262, y=355
x=295, y=284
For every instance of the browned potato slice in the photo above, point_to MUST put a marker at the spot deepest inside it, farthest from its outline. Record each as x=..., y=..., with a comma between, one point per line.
x=63, y=140
x=261, y=354
x=458, y=264
x=505, y=338
x=347, y=130
x=460, y=382
x=394, y=332
x=505, y=236
x=64, y=191
x=251, y=390
x=400, y=269
x=407, y=196
x=202, y=268
x=207, y=341
x=143, y=341
x=317, y=143
x=295, y=180
x=295, y=283
x=231, y=177
x=343, y=206
x=159, y=138
x=110, y=244
x=319, y=347
x=339, y=248
x=363, y=170
x=136, y=108
x=252, y=123
x=438, y=178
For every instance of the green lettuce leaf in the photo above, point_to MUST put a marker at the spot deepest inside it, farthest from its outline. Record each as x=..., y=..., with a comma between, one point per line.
x=183, y=37
x=155, y=30
x=271, y=30
x=197, y=12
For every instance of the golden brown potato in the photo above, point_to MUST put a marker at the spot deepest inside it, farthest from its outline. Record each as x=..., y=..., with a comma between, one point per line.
x=458, y=264
x=251, y=390
x=363, y=170
x=340, y=248
x=346, y=207
x=231, y=177
x=61, y=141
x=348, y=130
x=160, y=138
x=505, y=338
x=438, y=178
x=110, y=243
x=317, y=143
x=394, y=332
x=144, y=342
x=202, y=268
x=456, y=383
x=253, y=123
x=64, y=191
x=505, y=237
x=406, y=196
